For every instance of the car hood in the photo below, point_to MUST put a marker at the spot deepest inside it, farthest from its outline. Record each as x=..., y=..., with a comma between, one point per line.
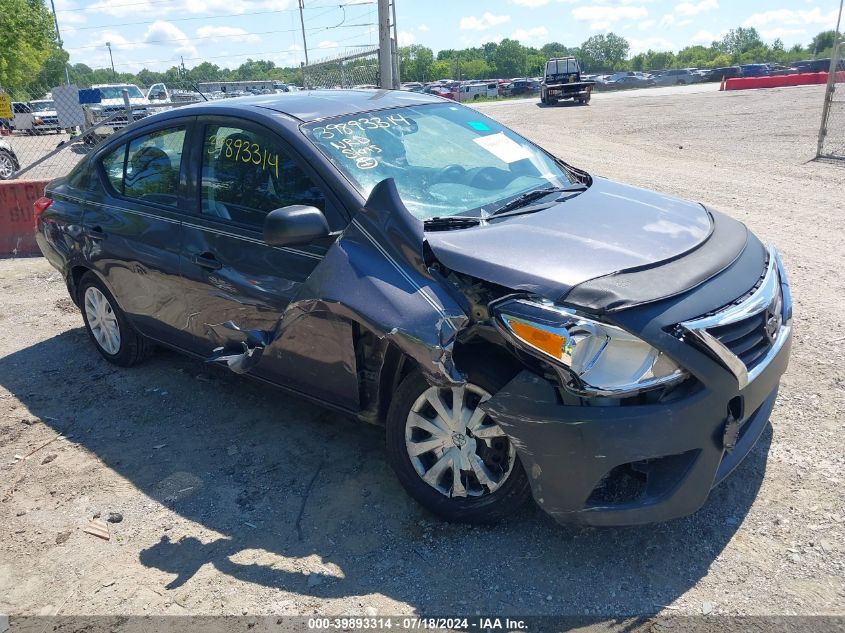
x=609, y=228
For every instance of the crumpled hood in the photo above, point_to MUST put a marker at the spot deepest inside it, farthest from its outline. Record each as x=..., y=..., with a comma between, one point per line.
x=609, y=228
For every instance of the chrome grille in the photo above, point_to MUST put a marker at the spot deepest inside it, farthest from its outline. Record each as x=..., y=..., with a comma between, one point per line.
x=748, y=334
x=746, y=339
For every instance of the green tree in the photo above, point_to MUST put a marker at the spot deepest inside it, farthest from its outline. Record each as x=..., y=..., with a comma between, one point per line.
x=822, y=41
x=739, y=40
x=605, y=52
x=52, y=73
x=415, y=62
x=29, y=41
x=511, y=58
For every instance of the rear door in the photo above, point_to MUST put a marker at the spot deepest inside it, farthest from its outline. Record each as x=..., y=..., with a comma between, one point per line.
x=133, y=224
x=236, y=286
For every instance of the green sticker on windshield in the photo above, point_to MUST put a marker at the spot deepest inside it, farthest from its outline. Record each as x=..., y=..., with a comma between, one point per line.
x=478, y=125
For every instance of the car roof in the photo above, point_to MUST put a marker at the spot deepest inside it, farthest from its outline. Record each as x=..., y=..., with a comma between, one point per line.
x=313, y=105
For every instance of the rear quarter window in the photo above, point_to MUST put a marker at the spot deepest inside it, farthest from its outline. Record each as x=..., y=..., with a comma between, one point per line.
x=113, y=164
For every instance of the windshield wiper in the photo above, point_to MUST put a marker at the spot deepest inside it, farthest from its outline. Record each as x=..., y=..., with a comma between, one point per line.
x=444, y=223
x=530, y=196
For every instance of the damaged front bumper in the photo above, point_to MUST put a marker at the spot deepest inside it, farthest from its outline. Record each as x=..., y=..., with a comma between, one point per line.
x=633, y=464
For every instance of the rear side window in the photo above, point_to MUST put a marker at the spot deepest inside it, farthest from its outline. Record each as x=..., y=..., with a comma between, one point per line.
x=152, y=167
x=245, y=175
x=147, y=168
x=113, y=164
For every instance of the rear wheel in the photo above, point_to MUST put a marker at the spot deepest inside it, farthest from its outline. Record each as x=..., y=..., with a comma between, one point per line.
x=108, y=326
x=449, y=455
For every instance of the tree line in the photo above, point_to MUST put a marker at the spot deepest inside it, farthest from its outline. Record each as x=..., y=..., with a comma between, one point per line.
x=32, y=60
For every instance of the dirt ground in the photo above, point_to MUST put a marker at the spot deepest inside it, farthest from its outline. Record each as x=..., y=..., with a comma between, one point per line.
x=237, y=499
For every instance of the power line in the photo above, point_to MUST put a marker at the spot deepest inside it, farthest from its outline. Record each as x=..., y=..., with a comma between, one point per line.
x=205, y=57
x=185, y=39
x=149, y=2
x=198, y=17
x=245, y=34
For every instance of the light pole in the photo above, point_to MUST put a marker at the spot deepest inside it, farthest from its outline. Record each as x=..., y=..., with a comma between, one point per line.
x=113, y=73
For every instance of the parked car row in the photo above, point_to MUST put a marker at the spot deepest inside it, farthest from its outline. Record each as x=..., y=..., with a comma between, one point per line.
x=477, y=89
x=686, y=76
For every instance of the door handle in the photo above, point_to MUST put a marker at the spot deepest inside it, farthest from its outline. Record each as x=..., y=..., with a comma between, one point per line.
x=207, y=261
x=95, y=233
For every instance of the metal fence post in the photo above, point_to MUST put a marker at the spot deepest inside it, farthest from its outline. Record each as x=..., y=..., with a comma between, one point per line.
x=128, y=105
x=828, y=95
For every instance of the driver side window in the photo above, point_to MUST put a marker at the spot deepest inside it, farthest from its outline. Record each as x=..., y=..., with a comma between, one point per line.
x=245, y=175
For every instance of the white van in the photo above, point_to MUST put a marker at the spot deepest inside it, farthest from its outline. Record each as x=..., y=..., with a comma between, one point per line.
x=476, y=90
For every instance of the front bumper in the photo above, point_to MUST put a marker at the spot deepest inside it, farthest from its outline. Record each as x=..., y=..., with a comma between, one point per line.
x=677, y=449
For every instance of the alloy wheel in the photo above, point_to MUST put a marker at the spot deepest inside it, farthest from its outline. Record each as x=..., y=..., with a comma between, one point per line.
x=102, y=320
x=7, y=166
x=453, y=444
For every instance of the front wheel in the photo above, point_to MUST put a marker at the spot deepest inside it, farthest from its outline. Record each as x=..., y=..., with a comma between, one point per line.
x=449, y=455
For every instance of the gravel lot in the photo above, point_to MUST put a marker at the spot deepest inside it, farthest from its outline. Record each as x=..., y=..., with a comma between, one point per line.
x=237, y=499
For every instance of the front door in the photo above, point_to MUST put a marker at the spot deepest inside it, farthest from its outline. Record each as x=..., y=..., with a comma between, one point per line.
x=237, y=287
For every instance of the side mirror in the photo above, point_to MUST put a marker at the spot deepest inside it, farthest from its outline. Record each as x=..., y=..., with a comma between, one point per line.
x=295, y=224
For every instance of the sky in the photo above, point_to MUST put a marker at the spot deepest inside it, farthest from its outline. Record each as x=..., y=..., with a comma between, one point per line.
x=157, y=34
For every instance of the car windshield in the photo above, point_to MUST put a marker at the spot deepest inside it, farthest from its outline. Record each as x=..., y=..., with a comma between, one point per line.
x=445, y=159
x=42, y=106
x=116, y=92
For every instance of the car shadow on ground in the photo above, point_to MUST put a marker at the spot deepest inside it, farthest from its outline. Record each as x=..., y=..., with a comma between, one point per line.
x=302, y=499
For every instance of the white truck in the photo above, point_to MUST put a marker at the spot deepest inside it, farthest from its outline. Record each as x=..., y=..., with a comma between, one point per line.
x=112, y=110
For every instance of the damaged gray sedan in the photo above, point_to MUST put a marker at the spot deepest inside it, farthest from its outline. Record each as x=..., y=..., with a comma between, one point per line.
x=519, y=326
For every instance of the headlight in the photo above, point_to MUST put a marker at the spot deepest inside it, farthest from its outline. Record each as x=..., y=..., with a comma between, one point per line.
x=597, y=359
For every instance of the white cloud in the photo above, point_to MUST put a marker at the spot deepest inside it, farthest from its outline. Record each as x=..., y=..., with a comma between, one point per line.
x=645, y=25
x=685, y=22
x=423, y=27
x=117, y=41
x=775, y=33
x=531, y=4
x=694, y=8
x=667, y=20
x=649, y=43
x=602, y=17
x=706, y=37
x=790, y=17
x=69, y=13
x=472, y=23
x=536, y=34
x=230, y=33
x=327, y=44
x=162, y=32
x=406, y=38
x=122, y=8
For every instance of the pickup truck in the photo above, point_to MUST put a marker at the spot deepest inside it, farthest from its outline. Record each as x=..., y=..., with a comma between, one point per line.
x=563, y=81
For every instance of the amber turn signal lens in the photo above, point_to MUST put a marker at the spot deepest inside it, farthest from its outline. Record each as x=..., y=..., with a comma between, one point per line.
x=551, y=344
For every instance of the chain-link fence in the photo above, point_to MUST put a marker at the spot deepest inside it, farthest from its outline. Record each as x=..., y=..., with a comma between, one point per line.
x=832, y=132
x=45, y=136
x=357, y=69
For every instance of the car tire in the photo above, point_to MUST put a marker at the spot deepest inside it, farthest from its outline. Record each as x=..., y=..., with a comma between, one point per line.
x=107, y=325
x=506, y=490
x=8, y=165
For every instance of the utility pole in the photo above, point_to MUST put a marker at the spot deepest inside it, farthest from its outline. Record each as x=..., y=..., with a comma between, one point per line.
x=302, y=22
x=113, y=73
x=385, y=47
x=395, y=48
x=59, y=37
